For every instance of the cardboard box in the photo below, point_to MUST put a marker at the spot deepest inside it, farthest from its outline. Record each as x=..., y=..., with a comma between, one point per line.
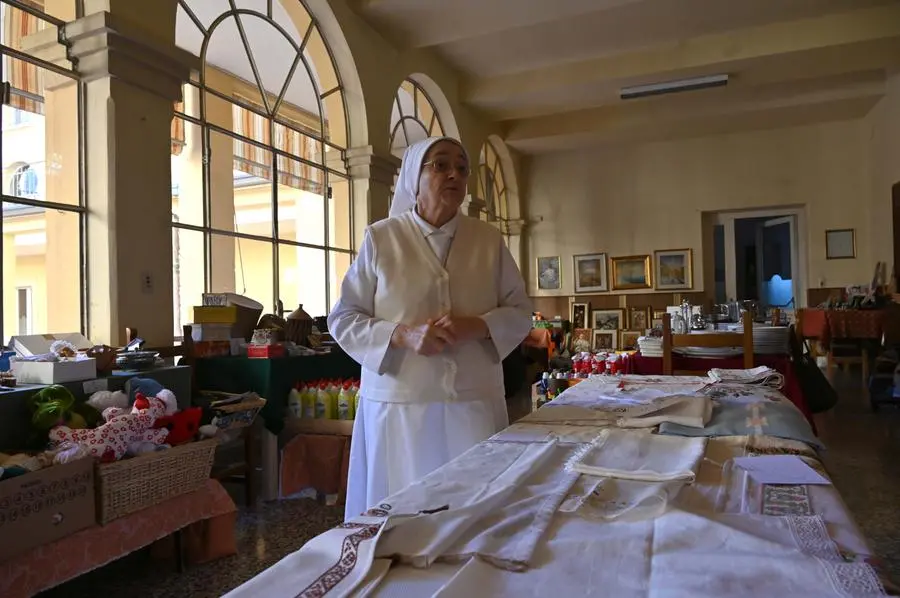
x=265, y=351
x=45, y=506
x=211, y=332
x=54, y=372
x=219, y=314
x=39, y=344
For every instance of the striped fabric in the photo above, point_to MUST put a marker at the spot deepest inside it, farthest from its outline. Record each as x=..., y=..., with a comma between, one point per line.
x=257, y=161
x=18, y=25
x=178, y=139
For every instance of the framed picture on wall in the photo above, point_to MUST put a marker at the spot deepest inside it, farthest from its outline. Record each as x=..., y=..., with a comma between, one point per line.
x=674, y=269
x=590, y=273
x=840, y=244
x=608, y=319
x=581, y=340
x=639, y=318
x=629, y=339
x=549, y=275
x=606, y=340
x=631, y=272
x=580, y=314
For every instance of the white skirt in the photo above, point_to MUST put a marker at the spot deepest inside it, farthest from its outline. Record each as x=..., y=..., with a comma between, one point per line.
x=395, y=444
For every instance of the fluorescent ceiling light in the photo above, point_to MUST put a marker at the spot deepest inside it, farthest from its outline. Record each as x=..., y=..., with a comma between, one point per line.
x=653, y=89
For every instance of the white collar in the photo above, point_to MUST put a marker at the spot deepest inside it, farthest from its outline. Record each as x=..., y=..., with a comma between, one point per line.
x=429, y=229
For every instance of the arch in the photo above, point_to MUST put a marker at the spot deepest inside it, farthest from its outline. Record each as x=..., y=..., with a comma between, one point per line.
x=420, y=109
x=509, y=173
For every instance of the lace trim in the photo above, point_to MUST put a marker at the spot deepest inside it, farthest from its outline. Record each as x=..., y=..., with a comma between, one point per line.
x=847, y=579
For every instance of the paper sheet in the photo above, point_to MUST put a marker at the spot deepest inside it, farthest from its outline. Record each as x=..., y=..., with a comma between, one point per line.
x=780, y=469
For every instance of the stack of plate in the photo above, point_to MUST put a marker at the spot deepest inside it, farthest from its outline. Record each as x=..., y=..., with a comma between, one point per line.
x=650, y=346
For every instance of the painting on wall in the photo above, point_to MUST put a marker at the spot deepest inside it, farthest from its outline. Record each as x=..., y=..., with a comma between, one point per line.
x=549, y=276
x=606, y=340
x=608, y=319
x=579, y=315
x=629, y=339
x=631, y=272
x=840, y=244
x=639, y=318
x=590, y=273
x=582, y=340
x=674, y=269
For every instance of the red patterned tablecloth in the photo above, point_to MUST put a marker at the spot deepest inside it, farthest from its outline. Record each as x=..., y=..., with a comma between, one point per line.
x=856, y=324
x=55, y=563
x=638, y=364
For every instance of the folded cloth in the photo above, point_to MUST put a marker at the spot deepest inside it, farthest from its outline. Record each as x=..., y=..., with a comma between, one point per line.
x=692, y=411
x=609, y=499
x=639, y=455
x=780, y=419
x=763, y=375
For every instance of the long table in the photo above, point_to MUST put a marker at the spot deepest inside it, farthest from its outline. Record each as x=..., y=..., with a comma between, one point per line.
x=493, y=521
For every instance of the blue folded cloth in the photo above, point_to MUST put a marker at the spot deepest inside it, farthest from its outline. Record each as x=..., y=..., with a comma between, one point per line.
x=762, y=418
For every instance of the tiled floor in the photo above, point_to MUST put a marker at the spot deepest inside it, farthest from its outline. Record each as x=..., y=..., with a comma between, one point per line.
x=863, y=457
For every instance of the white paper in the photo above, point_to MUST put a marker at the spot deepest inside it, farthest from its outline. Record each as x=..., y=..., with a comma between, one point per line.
x=780, y=469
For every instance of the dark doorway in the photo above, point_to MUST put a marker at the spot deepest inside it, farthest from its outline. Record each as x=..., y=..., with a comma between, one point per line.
x=895, y=199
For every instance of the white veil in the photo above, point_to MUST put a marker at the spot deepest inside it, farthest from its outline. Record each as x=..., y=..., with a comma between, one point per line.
x=407, y=187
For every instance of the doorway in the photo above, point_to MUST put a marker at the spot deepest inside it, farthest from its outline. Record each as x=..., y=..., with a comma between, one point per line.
x=895, y=202
x=756, y=257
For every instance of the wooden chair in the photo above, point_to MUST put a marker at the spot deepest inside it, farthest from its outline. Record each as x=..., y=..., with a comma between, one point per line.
x=841, y=353
x=241, y=471
x=716, y=340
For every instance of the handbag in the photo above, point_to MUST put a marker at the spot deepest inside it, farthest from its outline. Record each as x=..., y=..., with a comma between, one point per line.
x=818, y=391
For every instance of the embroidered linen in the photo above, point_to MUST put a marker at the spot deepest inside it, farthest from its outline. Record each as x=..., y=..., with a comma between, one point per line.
x=763, y=375
x=640, y=456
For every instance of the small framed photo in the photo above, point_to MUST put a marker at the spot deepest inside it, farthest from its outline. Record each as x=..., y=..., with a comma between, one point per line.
x=840, y=244
x=674, y=269
x=608, y=319
x=631, y=272
x=628, y=340
x=580, y=314
x=582, y=340
x=549, y=275
x=639, y=318
x=606, y=340
x=590, y=273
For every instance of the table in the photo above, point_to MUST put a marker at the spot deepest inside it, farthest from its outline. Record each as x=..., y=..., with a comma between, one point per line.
x=639, y=364
x=273, y=380
x=53, y=564
x=508, y=501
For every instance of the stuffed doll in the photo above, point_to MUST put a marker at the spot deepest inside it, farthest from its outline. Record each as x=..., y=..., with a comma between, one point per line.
x=123, y=430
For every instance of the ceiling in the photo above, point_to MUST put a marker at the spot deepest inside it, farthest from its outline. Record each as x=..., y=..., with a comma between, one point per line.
x=552, y=71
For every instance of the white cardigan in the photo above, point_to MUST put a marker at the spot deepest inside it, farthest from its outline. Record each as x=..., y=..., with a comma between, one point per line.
x=397, y=278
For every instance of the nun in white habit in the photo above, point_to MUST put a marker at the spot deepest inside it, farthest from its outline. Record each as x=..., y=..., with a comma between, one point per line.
x=429, y=308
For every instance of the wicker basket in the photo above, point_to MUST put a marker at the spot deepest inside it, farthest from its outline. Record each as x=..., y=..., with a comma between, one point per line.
x=125, y=487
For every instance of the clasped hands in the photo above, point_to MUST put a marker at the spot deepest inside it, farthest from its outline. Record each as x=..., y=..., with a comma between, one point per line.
x=432, y=337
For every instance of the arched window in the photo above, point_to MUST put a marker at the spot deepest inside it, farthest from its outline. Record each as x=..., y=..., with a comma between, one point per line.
x=492, y=185
x=24, y=183
x=260, y=185
x=414, y=117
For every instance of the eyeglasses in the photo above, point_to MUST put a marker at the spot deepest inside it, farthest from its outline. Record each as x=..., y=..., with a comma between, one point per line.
x=444, y=166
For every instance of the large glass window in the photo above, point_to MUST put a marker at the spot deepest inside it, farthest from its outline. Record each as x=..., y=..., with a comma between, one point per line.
x=413, y=117
x=260, y=193
x=492, y=189
x=42, y=205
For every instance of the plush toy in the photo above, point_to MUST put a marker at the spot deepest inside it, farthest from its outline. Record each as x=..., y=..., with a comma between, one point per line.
x=55, y=405
x=104, y=399
x=122, y=430
x=182, y=426
x=151, y=388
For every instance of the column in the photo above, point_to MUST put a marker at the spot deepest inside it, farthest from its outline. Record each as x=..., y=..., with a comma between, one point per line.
x=132, y=74
x=373, y=176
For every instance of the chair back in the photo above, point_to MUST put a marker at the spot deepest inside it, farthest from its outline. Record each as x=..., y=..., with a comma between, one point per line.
x=715, y=340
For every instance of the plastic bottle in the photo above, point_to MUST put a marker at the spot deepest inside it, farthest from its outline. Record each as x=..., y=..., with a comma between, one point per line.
x=322, y=401
x=344, y=402
x=354, y=391
x=295, y=403
x=308, y=398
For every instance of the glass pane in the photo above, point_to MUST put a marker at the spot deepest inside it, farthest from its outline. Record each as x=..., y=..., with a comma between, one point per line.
x=272, y=53
x=320, y=60
x=301, y=100
x=188, y=275
x=292, y=16
x=40, y=137
x=719, y=262
x=339, y=231
x=187, y=173
x=301, y=206
x=335, y=159
x=302, y=279
x=240, y=188
x=243, y=266
x=41, y=254
x=338, y=265
x=225, y=53
x=296, y=143
x=335, y=119
x=19, y=27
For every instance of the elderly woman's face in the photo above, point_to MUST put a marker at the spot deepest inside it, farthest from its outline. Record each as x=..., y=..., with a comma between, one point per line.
x=444, y=178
